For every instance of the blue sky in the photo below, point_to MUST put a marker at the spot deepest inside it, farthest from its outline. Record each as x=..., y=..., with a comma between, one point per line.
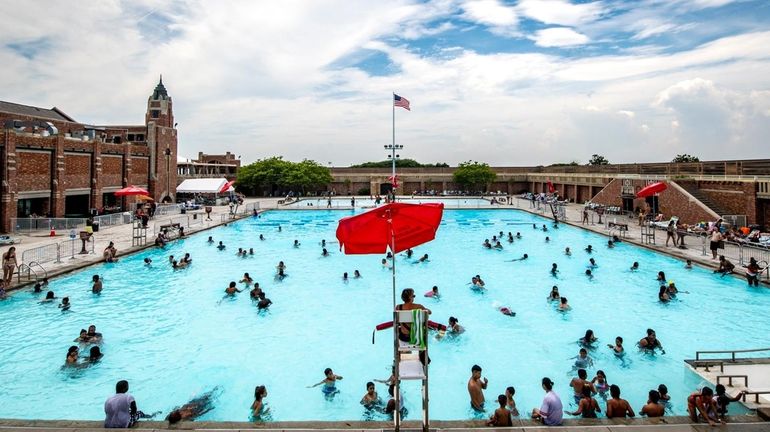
x=525, y=82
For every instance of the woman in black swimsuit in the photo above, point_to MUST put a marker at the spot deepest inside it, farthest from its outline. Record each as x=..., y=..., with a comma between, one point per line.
x=407, y=296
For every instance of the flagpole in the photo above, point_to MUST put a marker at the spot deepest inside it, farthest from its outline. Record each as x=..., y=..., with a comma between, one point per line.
x=393, y=156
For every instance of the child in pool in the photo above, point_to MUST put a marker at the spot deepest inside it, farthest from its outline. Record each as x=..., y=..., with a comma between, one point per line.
x=329, y=383
x=618, y=347
x=600, y=383
x=433, y=292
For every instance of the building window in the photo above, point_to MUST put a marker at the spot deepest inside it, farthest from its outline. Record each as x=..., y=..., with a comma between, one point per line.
x=140, y=137
x=116, y=139
x=155, y=114
x=130, y=137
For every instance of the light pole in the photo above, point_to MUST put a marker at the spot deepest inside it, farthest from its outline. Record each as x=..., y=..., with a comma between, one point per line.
x=393, y=156
x=167, y=152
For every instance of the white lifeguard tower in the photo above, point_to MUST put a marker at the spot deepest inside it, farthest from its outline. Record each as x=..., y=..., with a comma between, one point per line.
x=407, y=362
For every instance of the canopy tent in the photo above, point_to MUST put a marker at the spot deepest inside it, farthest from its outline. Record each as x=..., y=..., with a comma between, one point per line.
x=204, y=185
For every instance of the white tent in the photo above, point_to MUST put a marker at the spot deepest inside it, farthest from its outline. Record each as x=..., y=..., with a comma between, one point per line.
x=203, y=185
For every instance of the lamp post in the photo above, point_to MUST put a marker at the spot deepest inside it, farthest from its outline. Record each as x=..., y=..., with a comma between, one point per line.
x=393, y=156
x=167, y=152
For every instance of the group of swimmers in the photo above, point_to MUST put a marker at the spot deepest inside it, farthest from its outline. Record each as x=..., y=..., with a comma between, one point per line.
x=86, y=337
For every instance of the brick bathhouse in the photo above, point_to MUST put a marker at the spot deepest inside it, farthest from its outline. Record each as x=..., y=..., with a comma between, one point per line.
x=52, y=165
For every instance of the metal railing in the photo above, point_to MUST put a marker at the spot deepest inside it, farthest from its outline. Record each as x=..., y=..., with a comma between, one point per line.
x=731, y=352
x=183, y=221
x=113, y=219
x=42, y=254
x=70, y=248
x=168, y=209
x=740, y=253
x=30, y=225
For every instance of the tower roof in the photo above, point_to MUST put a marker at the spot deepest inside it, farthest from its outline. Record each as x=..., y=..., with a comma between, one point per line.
x=160, y=91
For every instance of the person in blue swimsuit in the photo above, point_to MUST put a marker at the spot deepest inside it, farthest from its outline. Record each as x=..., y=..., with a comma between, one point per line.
x=329, y=383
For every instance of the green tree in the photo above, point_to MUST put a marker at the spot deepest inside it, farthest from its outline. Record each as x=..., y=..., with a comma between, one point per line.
x=685, y=158
x=598, y=160
x=265, y=176
x=400, y=163
x=474, y=175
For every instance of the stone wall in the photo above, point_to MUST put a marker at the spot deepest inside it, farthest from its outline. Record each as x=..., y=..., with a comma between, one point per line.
x=737, y=198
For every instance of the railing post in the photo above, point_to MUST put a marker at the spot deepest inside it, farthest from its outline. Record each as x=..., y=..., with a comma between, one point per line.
x=58, y=254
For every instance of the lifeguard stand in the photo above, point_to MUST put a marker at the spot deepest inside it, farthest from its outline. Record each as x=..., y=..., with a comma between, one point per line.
x=139, y=234
x=407, y=361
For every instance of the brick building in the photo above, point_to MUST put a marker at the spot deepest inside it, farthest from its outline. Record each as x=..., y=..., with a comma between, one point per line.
x=206, y=166
x=52, y=165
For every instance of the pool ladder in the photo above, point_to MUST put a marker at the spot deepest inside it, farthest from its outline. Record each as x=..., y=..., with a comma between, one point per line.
x=30, y=270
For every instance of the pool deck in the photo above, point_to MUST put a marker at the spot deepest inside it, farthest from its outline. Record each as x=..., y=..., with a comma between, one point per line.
x=122, y=236
x=665, y=424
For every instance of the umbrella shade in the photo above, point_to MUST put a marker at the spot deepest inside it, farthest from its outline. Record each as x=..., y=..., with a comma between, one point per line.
x=226, y=187
x=131, y=190
x=651, y=189
x=405, y=225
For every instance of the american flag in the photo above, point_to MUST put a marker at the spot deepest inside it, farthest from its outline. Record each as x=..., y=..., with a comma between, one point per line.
x=400, y=102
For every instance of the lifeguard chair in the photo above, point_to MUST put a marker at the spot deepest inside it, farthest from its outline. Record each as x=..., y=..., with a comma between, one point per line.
x=407, y=362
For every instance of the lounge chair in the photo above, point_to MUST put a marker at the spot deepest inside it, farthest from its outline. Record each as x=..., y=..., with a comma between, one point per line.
x=664, y=224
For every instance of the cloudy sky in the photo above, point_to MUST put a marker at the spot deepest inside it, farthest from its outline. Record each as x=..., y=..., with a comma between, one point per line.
x=504, y=82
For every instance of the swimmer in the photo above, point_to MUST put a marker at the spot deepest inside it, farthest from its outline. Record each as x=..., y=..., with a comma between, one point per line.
x=385, y=263
x=505, y=310
x=188, y=260
x=588, y=340
x=498, y=246
x=93, y=335
x=95, y=354
x=433, y=293
x=510, y=237
x=554, y=295
x=280, y=266
x=545, y=228
x=324, y=252
x=661, y=277
x=390, y=380
x=38, y=288
x=518, y=235
x=618, y=347
x=589, y=274
x=564, y=305
x=653, y=408
x=509, y=392
x=280, y=275
x=246, y=279
x=170, y=259
x=221, y=246
x=486, y=244
x=589, y=249
x=251, y=251
x=592, y=263
x=279, y=228
x=389, y=255
x=582, y=360
x=232, y=289
x=83, y=338
x=370, y=399
x=49, y=297
x=65, y=304
x=96, y=288
x=664, y=396
x=502, y=416
x=454, y=326
x=254, y=293
x=567, y=251
x=329, y=383
x=356, y=274
x=409, y=253
x=610, y=244
x=554, y=269
x=72, y=356
x=210, y=240
x=650, y=342
x=264, y=302
x=663, y=294
x=193, y=409
x=147, y=262
x=600, y=383
x=323, y=243
x=547, y=239
x=261, y=237
x=580, y=382
x=345, y=277
x=258, y=407
x=688, y=265
x=523, y=257
x=634, y=266
x=534, y=226
x=240, y=252
x=296, y=243
x=423, y=259
x=673, y=291
x=480, y=281
x=476, y=385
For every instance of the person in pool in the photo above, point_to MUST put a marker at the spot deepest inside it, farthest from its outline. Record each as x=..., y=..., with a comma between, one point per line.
x=618, y=347
x=610, y=244
x=588, y=340
x=96, y=288
x=83, y=338
x=587, y=405
x=635, y=266
x=247, y=279
x=580, y=382
x=554, y=269
x=324, y=252
x=281, y=275
x=688, y=265
x=617, y=407
x=592, y=263
x=193, y=409
x=232, y=289
x=523, y=257
x=95, y=354
x=93, y=335
x=433, y=292
x=296, y=243
x=263, y=302
x=65, y=304
x=589, y=274
x=663, y=294
x=564, y=305
x=661, y=277
x=498, y=245
x=345, y=277
x=554, y=294
x=589, y=249
x=72, y=356
x=518, y=235
x=723, y=400
x=254, y=293
x=505, y=310
x=502, y=416
x=582, y=360
x=258, y=406
x=547, y=239
x=385, y=264
x=476, y=387
x=650, y=342
x=511, y=404
x=210, y=240
x=409, y=253
x=567, y=251
x=371, y=399
x=600, y=383
x=510, y=237
x=356, y=274
x=329, y=383
x=423, y=259
x=653, y=408
x=486, y=244
x=454, y=326
x=49, y=297
x=261, y=237
x=221, y=246
x=148, y=262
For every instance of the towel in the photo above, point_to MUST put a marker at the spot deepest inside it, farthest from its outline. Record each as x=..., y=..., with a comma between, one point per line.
x=417, y=331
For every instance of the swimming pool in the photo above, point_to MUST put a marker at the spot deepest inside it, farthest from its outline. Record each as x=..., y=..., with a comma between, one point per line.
x=171, y=334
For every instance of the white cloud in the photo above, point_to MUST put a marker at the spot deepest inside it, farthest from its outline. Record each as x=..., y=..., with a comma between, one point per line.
x=559, y=37
x=500, y=18
x=561, y=12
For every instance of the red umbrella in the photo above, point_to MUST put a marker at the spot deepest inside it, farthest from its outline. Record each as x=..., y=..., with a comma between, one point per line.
x=226, y=187
x=395, y=226
x=652, y=189
x=131, y=190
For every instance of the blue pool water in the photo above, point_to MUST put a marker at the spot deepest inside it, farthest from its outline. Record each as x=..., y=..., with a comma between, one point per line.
x=458, y=202
x=172, y=336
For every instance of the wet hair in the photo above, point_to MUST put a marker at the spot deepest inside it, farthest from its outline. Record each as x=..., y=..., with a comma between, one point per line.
x=619, y=339
x=121, y=386
x=511, y=390
x=614, y=391
x=654, y=396
x=259, y=392
x=476, y=368
x=94, y=353
x=662, y=389
x=453, y=320
x=38, y=286
x=589, y=336
x=583, y=350
x=588, y=272
x=72, y=349
x=661, y=275
x=547, y=383
x=601, y=372
x=706, y=391
x=407, y=294
x=502, y=400
x=720, y=389
x=327, y=371
x=49, y=295
x=369, y=384
x=564, y=300
x=650, y=332
x=586, y=391
x=232, y=284
x=662, y=291
x=174, y=416
x=582, y=374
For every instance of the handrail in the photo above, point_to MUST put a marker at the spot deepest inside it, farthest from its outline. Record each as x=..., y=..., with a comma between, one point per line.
x=45, y=273
x=21, y=267
x=732, y=352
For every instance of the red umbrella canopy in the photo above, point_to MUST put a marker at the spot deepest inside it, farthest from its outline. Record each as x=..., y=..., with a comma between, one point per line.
x=370, y=232
x=131, y=190
x=652, y=189
x=226, y=187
